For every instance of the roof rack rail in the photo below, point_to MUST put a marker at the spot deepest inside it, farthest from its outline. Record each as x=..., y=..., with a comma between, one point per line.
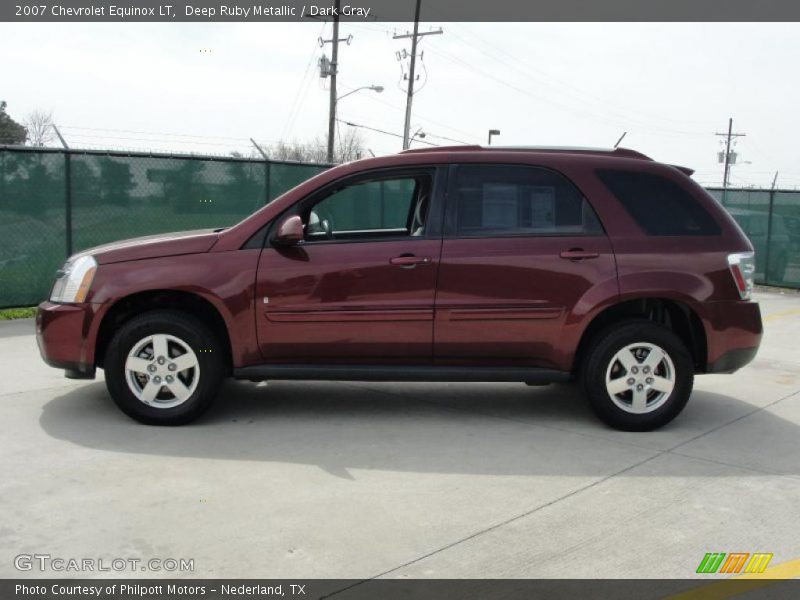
x=460, y=148
x=618, y=152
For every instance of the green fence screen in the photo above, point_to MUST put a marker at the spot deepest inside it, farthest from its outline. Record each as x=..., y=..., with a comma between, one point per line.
x=771, y=219
x=55, y=200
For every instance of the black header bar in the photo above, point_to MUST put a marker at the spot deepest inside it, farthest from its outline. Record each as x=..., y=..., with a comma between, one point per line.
x=433, y=11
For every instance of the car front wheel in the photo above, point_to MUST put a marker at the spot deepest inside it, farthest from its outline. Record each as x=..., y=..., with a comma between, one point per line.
x=164, y=368
x=638, y=375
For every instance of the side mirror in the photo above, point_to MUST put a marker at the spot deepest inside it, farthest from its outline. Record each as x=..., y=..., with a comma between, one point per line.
x=290, y=232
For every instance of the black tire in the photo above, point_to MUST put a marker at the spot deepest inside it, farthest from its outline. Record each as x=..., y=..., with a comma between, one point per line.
x=191, y=332
x=599, y=356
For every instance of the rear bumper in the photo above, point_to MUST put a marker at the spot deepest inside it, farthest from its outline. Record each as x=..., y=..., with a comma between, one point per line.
x=732, y=361
x=63, y=337
x=733, y=333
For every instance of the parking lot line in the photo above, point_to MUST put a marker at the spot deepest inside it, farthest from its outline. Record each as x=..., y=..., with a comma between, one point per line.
x=781, y=315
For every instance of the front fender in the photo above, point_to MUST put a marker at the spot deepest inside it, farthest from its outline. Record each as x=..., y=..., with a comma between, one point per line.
x=225, y=280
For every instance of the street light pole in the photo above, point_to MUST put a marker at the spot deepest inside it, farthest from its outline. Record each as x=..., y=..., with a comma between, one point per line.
x=374, y=88
x=491, y=133
x=418, y=134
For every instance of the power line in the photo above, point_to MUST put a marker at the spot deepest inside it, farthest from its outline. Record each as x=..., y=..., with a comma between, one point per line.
x=411, y=76
x=560, y=104
x=302, y=88
x=375, y=129
x=417, y=115
x=527, y=70
x=544, y=76
x=163, y=133
x=240, y=141
x=449, y=139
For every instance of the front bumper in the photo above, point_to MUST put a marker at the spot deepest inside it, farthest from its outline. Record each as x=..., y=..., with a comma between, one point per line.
x=63, y=334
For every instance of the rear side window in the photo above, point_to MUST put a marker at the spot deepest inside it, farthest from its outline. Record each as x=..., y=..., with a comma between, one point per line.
x=518, y=200
x=659, y=205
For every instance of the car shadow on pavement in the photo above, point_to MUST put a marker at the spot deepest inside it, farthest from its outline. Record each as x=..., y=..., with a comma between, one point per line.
x=498, y=429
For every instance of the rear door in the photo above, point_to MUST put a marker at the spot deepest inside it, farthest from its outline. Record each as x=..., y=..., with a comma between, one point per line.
x=522, y=248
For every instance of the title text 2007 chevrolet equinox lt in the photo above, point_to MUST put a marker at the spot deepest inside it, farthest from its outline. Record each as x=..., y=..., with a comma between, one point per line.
x=532, y=265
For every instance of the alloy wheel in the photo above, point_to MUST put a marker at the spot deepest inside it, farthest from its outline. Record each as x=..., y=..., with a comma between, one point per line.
x=162, y=371
x=640, y=378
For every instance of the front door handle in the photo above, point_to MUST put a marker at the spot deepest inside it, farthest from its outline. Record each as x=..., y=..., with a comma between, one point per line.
x=578, y=254
x=409, y=261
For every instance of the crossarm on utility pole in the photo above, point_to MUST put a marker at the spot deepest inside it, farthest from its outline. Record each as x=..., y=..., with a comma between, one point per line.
x=412, y=70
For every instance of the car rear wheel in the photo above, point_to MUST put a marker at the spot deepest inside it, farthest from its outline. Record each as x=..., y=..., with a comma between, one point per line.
x=638, y=375
x=164, y=368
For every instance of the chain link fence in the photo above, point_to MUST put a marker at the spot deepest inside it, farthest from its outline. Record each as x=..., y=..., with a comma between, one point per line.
x=771, y=219
x=55, y=202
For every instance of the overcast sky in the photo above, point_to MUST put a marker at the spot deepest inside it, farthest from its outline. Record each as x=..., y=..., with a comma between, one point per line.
x=670, y=86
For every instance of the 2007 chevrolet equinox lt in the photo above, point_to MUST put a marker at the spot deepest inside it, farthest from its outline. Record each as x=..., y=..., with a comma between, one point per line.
x=529, y=265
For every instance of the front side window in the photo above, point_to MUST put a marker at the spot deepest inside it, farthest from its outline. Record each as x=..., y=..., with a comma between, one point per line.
x=659, y=205
x=516, y=200
x=392, y=207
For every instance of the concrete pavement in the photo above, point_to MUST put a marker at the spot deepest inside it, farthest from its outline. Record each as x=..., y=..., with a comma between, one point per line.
x=360, y=480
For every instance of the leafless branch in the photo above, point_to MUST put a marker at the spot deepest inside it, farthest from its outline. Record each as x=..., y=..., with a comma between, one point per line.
x=40, y=128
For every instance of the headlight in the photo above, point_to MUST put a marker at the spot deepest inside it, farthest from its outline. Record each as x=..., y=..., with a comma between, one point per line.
x=74, y=279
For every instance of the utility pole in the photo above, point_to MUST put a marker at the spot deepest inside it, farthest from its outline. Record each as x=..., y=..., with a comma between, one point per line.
x=411, y=72
x=334, y=68
x=331, y=69
x=774, y=180
x=727, y=160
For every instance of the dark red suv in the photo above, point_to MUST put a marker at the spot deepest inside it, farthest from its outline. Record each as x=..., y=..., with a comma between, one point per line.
x=533, y=265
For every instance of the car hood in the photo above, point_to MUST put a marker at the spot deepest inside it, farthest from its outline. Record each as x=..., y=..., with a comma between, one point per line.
x=154, y=246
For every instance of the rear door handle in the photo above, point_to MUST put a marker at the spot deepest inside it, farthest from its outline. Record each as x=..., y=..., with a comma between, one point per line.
x=409, y=261
x=578, y=254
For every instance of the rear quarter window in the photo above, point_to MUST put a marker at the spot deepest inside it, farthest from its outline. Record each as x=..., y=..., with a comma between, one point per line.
x=659, y=205
x=502, y=200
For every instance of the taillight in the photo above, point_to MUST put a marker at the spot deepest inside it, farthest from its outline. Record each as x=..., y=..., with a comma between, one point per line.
x=742, y=266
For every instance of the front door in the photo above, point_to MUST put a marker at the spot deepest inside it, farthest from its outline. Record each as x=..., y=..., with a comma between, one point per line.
x=522, y=249
x=360, y=287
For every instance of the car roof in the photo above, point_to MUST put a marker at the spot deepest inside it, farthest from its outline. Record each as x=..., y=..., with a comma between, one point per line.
x=618, y=152
x=478, y=150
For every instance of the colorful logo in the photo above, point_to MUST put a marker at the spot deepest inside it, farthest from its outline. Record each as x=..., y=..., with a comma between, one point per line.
x=734, y=562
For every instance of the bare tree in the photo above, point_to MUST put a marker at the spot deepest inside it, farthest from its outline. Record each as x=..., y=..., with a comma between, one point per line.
x=313, y=151
x=40, y=127
x=348, y=147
